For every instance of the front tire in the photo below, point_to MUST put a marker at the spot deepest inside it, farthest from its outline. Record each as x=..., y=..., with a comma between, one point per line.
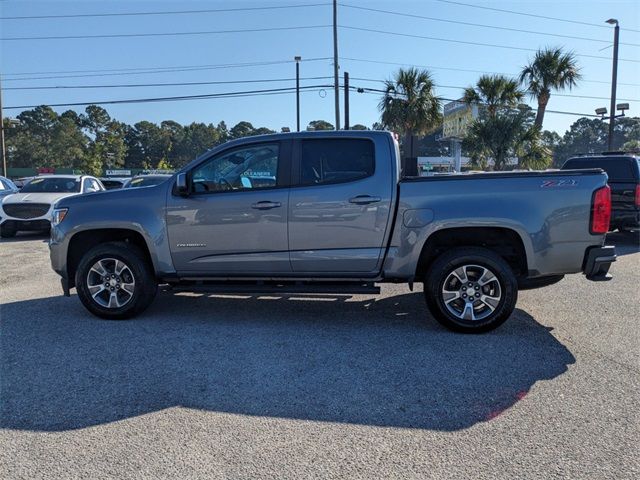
x=471, y=290
x=114, y=281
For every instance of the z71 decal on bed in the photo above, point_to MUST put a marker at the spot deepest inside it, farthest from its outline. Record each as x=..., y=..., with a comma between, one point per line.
x=559, y=183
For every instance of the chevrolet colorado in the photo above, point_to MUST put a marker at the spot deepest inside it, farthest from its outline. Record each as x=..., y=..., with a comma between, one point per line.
x=329, y=212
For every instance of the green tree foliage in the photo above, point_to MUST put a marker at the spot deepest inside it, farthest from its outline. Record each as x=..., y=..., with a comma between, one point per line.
x=108, y=146
x=505, y=134
x=410, y=106
x=93, y=141
x=493, y=93
x=320, y=125
x=551, y=69
x=503, y=129
x=359, y=126
x=590, y=135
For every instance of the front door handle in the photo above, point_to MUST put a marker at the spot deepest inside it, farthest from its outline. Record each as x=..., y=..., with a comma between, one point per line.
x=266, y=205
x=364, y=199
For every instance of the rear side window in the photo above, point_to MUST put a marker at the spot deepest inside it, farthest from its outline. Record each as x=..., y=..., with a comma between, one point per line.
x=618, y=169
x=336, y=160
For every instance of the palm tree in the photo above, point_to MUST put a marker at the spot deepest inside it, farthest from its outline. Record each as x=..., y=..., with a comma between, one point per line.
x=499, y=137
x=410, y=106
x=494, y=92
x=551, y=69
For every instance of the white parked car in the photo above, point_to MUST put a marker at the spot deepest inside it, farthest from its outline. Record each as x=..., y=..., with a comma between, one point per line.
x=31, y=209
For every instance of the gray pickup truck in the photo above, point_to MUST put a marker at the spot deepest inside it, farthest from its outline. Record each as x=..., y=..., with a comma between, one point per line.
x=329, y=212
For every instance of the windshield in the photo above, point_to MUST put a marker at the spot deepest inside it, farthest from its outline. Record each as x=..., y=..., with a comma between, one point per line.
x=52, y=185
x=146, y=181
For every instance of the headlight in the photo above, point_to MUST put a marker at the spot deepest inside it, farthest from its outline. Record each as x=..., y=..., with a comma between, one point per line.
x=58, y=215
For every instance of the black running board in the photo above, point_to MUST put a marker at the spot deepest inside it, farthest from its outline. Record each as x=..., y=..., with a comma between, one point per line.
x=284, y=288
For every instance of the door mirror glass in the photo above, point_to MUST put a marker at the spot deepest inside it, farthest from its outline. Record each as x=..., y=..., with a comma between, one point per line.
x=181, y=184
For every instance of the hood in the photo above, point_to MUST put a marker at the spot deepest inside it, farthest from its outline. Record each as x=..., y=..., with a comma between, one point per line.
x=37, y=197
x=134, y=195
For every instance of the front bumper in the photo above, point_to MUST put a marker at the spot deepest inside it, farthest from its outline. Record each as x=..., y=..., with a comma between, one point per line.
x=597, y=261
x=30, y=225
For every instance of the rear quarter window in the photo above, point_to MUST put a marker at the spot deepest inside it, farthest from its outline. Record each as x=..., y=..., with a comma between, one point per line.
x=618, y=169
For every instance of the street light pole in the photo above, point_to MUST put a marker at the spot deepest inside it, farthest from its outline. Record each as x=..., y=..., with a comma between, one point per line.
x=346, y=100
x=3, y=152
x=336, y=84
x=614, y=79
x=297, y=59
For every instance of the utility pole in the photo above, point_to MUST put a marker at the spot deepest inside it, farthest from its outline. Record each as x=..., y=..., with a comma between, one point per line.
x=336, y=85
x=297, y=59
x=614, y=79
x=346, y=100
x=3, y=152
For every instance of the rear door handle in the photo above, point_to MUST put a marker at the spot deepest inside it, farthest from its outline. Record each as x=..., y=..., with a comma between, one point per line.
x=266, y=205
x=364, y=199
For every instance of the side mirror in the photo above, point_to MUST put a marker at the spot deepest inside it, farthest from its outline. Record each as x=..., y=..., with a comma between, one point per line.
x=182, y=186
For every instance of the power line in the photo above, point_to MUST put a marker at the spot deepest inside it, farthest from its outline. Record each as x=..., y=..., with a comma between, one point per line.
x=194, y=68
x=458, y=87
x=151, y=70
x=492, y=45
x=164, y=34
x=246, y=93
x=168, y=84
x=220, y=65
x=457, y=22
x=265, y=80
x=174, y=12
x=529, y=14
x=465, y=70
x=375, y=91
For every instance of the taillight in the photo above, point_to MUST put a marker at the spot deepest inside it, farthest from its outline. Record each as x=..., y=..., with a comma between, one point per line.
x=638, y=195
x=601, y=210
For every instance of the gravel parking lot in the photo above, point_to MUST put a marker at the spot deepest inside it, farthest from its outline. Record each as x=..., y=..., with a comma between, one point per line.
x=224, y=386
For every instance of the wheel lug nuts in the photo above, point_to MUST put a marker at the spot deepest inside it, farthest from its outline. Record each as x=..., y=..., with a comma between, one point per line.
x=464, y=295
x=477, y=288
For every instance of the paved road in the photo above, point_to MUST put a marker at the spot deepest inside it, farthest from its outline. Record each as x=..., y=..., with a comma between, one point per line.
x=235, y=387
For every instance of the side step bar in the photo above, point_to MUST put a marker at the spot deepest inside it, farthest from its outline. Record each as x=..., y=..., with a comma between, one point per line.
x=284, y=288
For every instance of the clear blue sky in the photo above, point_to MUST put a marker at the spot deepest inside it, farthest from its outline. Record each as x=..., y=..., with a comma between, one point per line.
x=454, y=65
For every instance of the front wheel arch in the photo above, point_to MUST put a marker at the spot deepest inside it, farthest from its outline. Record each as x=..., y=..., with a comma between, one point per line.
x=81, y=242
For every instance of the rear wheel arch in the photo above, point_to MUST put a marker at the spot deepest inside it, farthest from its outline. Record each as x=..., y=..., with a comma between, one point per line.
x=504, y=241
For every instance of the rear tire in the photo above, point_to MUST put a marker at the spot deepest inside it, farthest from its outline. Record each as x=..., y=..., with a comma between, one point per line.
x=470, y=290
x=8, y=232
x=115, y=281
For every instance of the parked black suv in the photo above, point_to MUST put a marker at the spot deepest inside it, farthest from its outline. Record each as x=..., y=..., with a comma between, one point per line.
x=624, y=179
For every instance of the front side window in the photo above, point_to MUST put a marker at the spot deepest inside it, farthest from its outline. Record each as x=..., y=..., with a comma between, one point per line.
x=336, y=160
x=241, y=169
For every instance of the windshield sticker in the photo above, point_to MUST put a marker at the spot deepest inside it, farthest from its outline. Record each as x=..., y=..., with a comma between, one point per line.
x=37, y=180
x=137, y=180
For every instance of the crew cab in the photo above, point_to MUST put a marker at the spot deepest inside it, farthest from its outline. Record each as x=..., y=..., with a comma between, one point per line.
x=623, y=172
x=330, y=212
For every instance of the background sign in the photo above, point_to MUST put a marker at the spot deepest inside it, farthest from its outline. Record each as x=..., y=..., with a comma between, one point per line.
x=457, y=117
